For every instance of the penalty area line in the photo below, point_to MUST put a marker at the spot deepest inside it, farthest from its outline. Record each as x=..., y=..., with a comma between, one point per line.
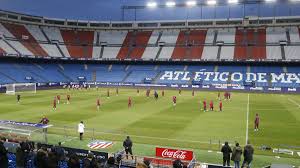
x=294, y=102
x=68, y=140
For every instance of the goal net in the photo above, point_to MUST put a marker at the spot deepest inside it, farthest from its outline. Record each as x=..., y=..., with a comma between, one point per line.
x=21, y=131
x=20, y=88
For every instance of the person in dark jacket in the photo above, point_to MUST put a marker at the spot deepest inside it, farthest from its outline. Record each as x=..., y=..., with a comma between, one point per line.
x=52, y=161
x=87, y=161
x=60, y=152
x=127, y=144
x=73, y=161
x=110, y=163
x=236, y=155
x=226, y=150
x=177, y=164
x=3, y=154
x=41, y=158
x=248, y=155
x=20, y=159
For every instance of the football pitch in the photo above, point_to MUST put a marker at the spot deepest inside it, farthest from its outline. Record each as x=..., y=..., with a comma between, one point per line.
x=152, y=123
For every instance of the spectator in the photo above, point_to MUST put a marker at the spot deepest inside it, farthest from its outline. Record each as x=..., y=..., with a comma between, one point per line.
x=20, y=159
x=110, y=163
x=87, y=162
x=226, y=150
x=177, y=164
x=127, y=144
x=236, y=155
x=248, y=155
x=95, y=163
x=73, y=161
x=41, y=157
x=147, y=163
x=52, y=160
x=3, y=154
x=60, y=152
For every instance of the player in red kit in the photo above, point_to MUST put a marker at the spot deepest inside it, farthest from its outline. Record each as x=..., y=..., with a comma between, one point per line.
x=211, y=105
x=163, y=93
x=220, y=105
x=229, y=96
x=256, y=122
x=54, y=103
x=174, y=100
x=68, y=99
x=58, y=99
x=129, y=102
x=204, y=105
x=226, y=95
x=98, y=104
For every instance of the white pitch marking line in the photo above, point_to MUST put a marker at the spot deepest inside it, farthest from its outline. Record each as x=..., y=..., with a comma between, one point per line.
x=293, y=101
x=247, y=119
x=68, y=140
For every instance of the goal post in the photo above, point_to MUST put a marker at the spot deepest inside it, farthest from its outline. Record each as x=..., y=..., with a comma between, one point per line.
x=20, y=88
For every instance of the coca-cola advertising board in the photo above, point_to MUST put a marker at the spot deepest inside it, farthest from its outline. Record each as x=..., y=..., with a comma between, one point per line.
x=174, y=153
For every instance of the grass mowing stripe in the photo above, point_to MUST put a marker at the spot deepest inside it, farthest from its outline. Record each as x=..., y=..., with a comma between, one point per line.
x=247, y=119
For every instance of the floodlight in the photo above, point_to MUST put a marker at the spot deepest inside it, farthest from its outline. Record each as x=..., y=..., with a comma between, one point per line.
x=151, y=4
x=191, y=3
x=211, y=2
x=170, y=4
x=233, y=1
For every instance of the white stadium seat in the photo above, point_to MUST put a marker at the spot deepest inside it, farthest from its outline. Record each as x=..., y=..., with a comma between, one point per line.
x=169, y=36
x=64, y=50
x=5, y=32
x=154, y=36
x=7, y=48
x=51, y=49
x=210, y=35
x=36, y=32
x=111, y=52
x=210, y=52
x=275, y=34
x=227, y=52
x=294, y=35
x=273, y=52
x=292, y=52
x=113, y=37
x=53, y=33
x=96, y=51
x=150, y=53
x=166, y=53
x=18, y=46
x=227, y=35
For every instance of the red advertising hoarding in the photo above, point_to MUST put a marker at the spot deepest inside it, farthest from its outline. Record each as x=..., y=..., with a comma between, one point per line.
x=174, y=153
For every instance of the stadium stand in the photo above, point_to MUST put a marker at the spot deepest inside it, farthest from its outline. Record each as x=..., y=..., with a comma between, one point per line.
x=191, y=44
x=26, y=39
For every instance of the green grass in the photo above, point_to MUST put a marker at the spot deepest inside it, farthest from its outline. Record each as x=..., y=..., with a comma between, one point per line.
x=154, y=123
